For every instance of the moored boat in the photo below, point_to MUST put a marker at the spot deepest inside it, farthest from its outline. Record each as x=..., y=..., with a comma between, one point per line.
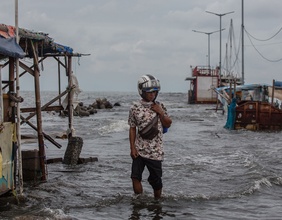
x=252, y=107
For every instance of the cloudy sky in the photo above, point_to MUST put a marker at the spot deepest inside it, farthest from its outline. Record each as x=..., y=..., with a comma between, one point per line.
x=129, y=38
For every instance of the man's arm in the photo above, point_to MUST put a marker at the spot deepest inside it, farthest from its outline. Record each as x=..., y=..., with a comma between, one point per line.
x=165, y=119
x=132, y=137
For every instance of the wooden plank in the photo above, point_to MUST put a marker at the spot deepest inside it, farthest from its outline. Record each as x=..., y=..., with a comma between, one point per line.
x=50, y=108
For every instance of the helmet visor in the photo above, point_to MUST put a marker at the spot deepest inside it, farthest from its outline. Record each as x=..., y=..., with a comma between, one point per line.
x=152, y=89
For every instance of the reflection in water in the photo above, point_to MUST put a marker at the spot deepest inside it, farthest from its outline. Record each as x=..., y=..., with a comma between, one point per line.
x=143, y=206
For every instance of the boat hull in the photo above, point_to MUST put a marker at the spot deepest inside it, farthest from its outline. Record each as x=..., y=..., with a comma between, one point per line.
x=257, y=115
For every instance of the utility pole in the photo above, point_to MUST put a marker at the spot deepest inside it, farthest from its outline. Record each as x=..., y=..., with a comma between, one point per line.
x=208, y=33
x=243, y=29
x=220, y=15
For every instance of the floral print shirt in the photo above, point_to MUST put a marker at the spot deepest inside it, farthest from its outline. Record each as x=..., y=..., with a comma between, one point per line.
x=140, y=114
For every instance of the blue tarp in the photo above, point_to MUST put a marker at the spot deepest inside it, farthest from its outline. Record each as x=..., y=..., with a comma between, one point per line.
x=9, y=48
x=53, y=47
x=278, y=83
x=231, y=115
x=62, y=48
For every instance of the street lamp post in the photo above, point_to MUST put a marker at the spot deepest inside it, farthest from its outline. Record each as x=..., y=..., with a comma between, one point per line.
x=220, y=15
x=208, y=33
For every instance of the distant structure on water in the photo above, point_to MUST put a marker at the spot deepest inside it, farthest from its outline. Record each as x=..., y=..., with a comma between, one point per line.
x=203, y=80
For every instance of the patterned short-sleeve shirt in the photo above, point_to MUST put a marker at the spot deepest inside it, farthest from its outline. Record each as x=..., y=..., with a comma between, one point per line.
x=140, y=115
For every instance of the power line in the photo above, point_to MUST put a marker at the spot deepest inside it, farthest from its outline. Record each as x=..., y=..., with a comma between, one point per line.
x=264, y=39
x=269, y=60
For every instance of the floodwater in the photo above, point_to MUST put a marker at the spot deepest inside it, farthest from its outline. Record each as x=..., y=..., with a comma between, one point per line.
x=208, y=172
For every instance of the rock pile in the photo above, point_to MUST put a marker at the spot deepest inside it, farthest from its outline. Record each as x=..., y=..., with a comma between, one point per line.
x=83, y=110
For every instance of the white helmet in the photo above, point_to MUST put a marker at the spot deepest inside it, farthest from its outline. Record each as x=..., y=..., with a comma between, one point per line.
x=148, y=83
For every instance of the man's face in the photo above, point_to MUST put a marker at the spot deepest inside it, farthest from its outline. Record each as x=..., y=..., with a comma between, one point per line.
x=150, y=96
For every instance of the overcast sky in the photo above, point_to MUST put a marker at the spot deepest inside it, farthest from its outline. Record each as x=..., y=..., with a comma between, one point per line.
x=129, y=38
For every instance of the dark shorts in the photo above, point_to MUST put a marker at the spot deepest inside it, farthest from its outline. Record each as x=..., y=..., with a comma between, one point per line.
x=154, y=167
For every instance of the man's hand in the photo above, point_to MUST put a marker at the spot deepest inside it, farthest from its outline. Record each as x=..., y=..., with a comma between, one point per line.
x=133, y=153
x=157, y=108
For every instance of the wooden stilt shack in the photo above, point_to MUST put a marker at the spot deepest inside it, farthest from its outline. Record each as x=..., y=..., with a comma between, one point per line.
x=33, y=47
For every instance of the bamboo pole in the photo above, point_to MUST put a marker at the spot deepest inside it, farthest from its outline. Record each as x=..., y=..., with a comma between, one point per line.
x=70, y=97
x=1, y=98
x=11, y=87
x=59, y=79
x=38, y=110
x=47, y=104
x=18, y=106
x=24, y=67
x=49, y=138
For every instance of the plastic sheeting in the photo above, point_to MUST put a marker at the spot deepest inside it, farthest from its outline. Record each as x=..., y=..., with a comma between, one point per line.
x=62, y=48
x=231, y=115
x=9, y=48
x=278, y=84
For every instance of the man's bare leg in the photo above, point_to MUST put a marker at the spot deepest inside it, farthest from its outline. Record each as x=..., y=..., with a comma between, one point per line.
x=157, y=193
x=137, y=186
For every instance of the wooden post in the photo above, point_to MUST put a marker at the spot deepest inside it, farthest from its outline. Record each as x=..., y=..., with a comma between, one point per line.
x=70, y=97
x=74, y=143
x=12, y=85
x=59, y=80
x=38, y=111
x=230, y=91
x=272, y=95
x=11, y=74
x=1, y=98
x=19, y=141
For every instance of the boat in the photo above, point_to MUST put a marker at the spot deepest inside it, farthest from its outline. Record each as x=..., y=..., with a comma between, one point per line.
x=253, y=107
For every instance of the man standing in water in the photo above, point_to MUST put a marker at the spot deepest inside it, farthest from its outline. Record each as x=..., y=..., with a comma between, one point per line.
x=147, y=120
